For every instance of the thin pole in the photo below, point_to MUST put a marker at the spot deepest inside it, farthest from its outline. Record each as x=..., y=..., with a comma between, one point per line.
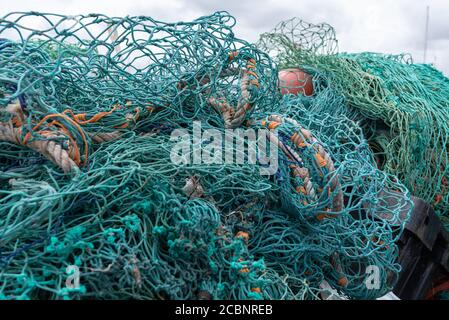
x=426, y=39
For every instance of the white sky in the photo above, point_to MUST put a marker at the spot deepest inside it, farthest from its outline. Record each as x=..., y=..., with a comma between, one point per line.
x=362, y=25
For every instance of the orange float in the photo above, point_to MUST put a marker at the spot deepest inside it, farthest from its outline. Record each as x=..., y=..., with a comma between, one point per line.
x=295, y=81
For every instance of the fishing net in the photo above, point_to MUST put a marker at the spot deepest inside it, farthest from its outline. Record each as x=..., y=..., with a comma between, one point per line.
x=88, y=182
x=401, y=106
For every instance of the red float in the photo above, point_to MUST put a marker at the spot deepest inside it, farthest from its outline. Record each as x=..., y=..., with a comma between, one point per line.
x=294, y=81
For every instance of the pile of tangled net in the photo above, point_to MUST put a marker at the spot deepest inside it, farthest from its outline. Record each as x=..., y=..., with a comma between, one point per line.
x=402, y=107
x=88, y=105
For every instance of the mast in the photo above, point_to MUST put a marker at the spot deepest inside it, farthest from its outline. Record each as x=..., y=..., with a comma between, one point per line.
x=426, y=39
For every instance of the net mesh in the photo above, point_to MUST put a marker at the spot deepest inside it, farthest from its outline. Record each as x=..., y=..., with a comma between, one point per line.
x=88, y=105
x=401, y=105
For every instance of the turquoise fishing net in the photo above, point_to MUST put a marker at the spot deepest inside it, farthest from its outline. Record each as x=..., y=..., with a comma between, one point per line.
x=401, y=105
x=88, y=105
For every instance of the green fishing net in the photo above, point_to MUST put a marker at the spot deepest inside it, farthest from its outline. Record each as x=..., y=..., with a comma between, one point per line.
x=88, y=109
x=401, y=106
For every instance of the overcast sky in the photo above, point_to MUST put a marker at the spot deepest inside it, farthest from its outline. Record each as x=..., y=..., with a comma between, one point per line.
x=389, y=26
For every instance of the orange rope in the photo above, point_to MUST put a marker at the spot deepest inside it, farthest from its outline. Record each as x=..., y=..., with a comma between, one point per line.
x=122, y=126
x=77, y=156
x=252, y=73
x=242, y=234
x=233, y=54
x=81, y=118
x=16, y=122
x=434, y=291
x=137, y=110
x=320, y=160
x=255, y=83
x=55, y=115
